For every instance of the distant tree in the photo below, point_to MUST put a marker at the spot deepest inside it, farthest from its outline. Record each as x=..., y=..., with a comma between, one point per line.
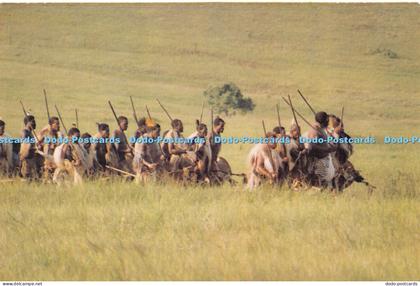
x=228, y=99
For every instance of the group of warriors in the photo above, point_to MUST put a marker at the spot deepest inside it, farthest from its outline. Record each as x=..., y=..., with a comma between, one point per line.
x=44, y=155
x=51, y=155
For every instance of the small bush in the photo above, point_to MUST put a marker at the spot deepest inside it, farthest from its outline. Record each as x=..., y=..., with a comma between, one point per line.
x=228, y=99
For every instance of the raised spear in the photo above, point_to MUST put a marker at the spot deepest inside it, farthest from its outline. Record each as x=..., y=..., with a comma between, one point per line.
x=293, y=111
x=77, y=118
x=134, y=110
x=301, y=116
x=61, y=119
x=164, y=109
x=148, y=112
x=278, y=115
x=23, y=108
x=304, y=99
x=201, y=115
x=46, y=105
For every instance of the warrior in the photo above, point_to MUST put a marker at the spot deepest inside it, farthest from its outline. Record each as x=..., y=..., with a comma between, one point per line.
x=346, y=174
x=264, y=162
x=321, y=168
x=30, y=160
x=71, y=158
x=141, y=129
x=105, y=151
x=144, y=162
x=200, y=147
x=218, y=128
x=6, y=152
x=281, y=149
x=49, y=139
x=91, y=154
x=155, y=149
x=125, y=155
x=296, y=154
x=171, y=148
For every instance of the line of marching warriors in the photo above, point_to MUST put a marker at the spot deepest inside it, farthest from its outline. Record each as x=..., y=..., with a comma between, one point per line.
x=44, y=156
x=51, y=155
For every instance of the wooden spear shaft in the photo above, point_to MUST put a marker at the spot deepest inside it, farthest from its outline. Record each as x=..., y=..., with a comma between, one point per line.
x=46, y=105
x=164, y=109
x=304, y=99
x=61, y=119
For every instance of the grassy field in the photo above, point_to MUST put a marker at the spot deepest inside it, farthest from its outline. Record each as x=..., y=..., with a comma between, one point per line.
x=365, y=57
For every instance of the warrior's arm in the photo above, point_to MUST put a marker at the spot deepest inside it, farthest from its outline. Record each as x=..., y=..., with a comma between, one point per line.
x=141, y=151
x=116, y=134
x=175, y=150
x=41, y=136
x=318, y=147
x=24, y=147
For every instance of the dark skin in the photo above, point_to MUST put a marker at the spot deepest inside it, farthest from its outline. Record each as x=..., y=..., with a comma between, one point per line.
x=218, y=129
x=322, y=148
x=294, y=133
x=202, y=133
x=2, y=128
x=104, y=133
x=280, y=135
x=67, y=146
x=31, y=125
x=123, y=125
x=179, y=128
x=55, y=126
x=153, y=134
x=172, y=149
x=87, y=145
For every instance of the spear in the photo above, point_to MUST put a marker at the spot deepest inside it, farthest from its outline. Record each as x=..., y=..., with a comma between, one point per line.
x=148, y=112
x=293, y=111
x=301, y=116
x=202, y=109
x=342, y=116
x=61, y=119
x=263, y=125
x=278, y=119
x=46, y=105
x=269, y=150
x=23, y=108
x=278, y=115
x=304, y=99
x=164, y=109
x=77, y=118
x=120, y=171
x=134, y=110
x=211, y=125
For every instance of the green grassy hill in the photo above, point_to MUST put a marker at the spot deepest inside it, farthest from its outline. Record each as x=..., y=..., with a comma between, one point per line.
x=336, y=54
x=363, y=56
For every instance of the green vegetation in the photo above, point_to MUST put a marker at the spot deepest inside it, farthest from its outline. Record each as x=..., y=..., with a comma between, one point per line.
x=227, y=99
x=119, y=231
